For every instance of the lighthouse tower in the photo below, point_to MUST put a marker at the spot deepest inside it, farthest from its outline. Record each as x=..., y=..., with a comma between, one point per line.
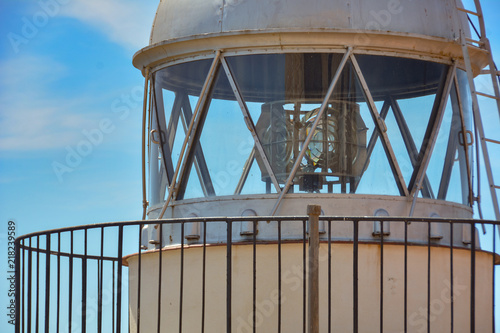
x=361, y=113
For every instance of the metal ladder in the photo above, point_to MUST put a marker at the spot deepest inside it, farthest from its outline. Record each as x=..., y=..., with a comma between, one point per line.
x=483, y=44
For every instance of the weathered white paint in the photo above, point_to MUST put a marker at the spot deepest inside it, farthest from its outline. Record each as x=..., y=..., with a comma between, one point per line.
x=291, y=270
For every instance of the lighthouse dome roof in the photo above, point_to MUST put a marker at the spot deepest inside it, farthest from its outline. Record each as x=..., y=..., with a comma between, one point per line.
x=198, y=18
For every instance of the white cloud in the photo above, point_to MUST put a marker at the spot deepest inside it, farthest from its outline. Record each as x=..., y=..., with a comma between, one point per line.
x=32, y=116
x=127, y=22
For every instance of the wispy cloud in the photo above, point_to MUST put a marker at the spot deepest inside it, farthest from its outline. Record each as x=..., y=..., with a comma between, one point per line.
x=127, y=22
x=32, y=115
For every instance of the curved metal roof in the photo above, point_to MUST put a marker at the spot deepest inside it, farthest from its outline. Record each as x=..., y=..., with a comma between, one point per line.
x=190, y=18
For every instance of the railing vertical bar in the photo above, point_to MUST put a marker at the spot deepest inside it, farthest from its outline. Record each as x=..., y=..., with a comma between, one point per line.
x=279, y=276
x=70, y=284
x=98, y=284
x=58, y=302
x=37, y=311
x=84, y=283
x=119, y=281
x=381, y=320
x=160, y=268
x=355, y=276
x=181, y=291
x=100, y=281
x=17, y=274
x=47, y=283
x=473, y=278
x=139, y=276
x=304, y=275
x=23, y=296
x=452, y=302
x=204, y=273
x=428, y=277
x=229, y=275
x=30, y=283
x=405, y=323
x=493, y=278
x=254, y=275
x=329, y=275
x=113, y=303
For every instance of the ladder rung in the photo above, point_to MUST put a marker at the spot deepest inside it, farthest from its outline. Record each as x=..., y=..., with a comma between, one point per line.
x=496, y=186
x=468, y=11
x=492, y=141
x=486, y=95
x=487, y=71
x=470, y=40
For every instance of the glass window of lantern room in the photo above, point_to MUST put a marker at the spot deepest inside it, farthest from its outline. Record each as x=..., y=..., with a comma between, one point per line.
x=412, y=90
x=451, y=162
x=284, y=93
x=280, y=97
x=176, y=91
x=226, y=142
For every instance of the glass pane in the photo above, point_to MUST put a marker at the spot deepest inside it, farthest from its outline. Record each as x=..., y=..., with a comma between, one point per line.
x=411, y=87
x=293, y=90
x=176, y=92
x=226, y=144
x=448, y=166
x=377, y=177
x=402, y=149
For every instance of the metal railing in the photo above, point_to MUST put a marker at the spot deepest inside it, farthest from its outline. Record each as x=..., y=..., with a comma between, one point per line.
x=73, y=279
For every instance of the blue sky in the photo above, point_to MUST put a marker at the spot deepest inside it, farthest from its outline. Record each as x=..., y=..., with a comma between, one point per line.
x=69, y=95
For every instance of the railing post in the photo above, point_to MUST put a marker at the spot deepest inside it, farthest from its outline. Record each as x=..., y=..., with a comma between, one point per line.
x=313, y=275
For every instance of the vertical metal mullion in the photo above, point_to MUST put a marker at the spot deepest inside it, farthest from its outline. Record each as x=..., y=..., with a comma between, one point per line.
x=329, y=275
x=229, y=254
x=181, y=291
x=47, y=283
x=139, y=276
x=304, y=276
x=160, y=263
x=204, y=273
x=254, y=274
x=428, y=277
x=84, y=283
x=464, y=134
x=119, y=281
x=279, y=276
x=355, y=276
x=473, y=278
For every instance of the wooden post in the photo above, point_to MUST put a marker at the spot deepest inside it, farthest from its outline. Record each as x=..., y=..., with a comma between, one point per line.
x=314, y=211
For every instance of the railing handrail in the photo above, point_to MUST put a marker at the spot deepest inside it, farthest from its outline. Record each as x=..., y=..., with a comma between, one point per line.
x=219, y=219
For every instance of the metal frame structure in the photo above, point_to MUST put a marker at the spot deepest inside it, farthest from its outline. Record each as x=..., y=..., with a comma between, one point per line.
x=419, y=179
